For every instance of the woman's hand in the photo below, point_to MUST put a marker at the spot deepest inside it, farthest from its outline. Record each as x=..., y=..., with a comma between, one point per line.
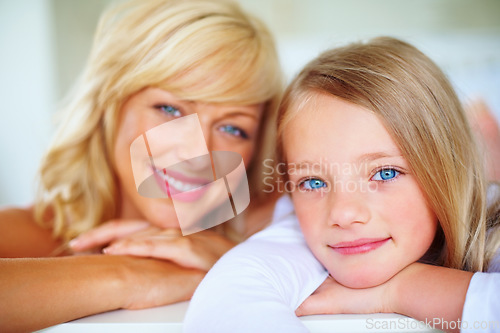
x=139, y=238
x=200, y=250
x=103, y=235
x=151, y=282
x=333, y=298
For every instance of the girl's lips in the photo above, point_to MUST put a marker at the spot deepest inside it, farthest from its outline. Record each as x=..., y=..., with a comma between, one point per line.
x=358, y=246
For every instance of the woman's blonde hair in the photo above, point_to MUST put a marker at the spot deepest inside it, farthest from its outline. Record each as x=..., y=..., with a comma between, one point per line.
x=203, y=50
x=421, y=111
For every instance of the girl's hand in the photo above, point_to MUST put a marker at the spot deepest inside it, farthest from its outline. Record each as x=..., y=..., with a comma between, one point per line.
x=333, y=298
x=419, y=291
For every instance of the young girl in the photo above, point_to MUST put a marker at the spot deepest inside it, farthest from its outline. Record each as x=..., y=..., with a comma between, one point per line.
x=388, y=188
x=151, y=62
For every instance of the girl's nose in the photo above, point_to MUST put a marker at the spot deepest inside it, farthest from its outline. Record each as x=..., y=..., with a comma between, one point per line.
x=348, y=206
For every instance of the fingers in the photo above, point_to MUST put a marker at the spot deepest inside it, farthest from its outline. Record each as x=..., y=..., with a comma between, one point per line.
x=167, y=245
x=303, y=310
x=159, y=246
x=198, y=251
x=315, y=304
x=106, y=233
x=320, y=302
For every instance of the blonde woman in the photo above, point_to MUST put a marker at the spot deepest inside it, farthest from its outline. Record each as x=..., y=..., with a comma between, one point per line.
x=388, y=187
x=152, y=62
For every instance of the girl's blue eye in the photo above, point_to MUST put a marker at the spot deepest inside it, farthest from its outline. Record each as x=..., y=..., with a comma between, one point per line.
x=233, y=130
x=312, y=184
x=386, y=174
x=170, y=110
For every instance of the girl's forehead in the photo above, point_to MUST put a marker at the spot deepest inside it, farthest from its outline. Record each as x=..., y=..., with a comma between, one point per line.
x=309, y=104
x=330, y=125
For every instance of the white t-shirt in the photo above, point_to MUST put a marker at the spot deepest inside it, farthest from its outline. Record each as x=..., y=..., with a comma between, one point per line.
x=258, y=285
x=482, y=303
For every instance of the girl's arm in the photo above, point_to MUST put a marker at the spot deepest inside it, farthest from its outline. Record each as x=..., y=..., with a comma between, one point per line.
x=38, y=293
x=432, y=294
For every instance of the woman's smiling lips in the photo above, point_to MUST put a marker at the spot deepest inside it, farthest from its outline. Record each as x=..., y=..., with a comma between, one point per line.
x=184, y=188
x=358, y=246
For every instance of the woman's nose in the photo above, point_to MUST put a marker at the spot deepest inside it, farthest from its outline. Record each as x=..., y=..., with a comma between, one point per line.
x=206, y=129
x=193, y=152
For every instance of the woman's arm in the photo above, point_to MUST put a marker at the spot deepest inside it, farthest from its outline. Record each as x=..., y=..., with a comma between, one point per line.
x=38, y=293
x=21, y=237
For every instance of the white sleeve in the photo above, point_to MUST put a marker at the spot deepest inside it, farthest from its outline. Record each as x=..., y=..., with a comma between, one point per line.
x=481, y=311
x=257, y=286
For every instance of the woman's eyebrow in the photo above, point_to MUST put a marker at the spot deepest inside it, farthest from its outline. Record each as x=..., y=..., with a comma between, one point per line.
x=239, y=113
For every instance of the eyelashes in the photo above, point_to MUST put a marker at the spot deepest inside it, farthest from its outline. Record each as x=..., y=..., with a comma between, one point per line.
x=231, y=130
x=169, y=110
x=384, y=174
x=311, y=184
x=234, y=131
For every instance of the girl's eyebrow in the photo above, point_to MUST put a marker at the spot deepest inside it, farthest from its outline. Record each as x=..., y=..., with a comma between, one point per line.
x=364, y=158
x=301, y=165
x=370, y=157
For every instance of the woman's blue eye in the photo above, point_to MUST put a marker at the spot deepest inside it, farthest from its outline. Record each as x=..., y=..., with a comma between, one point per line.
x=233, y=130
x=170, y=110
x=312, y=184
x=386, y=174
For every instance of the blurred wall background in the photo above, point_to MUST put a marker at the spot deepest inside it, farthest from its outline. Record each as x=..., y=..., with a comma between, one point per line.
x=44, y=45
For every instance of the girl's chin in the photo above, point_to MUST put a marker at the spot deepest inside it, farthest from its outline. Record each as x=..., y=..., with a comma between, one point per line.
x=363, y=280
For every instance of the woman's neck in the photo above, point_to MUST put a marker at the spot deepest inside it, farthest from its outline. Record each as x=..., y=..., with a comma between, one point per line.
x=127, y=209
x=258, y=216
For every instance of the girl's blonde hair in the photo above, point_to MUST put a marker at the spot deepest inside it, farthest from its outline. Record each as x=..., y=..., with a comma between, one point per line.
x=203, y=50
x=421, y=111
